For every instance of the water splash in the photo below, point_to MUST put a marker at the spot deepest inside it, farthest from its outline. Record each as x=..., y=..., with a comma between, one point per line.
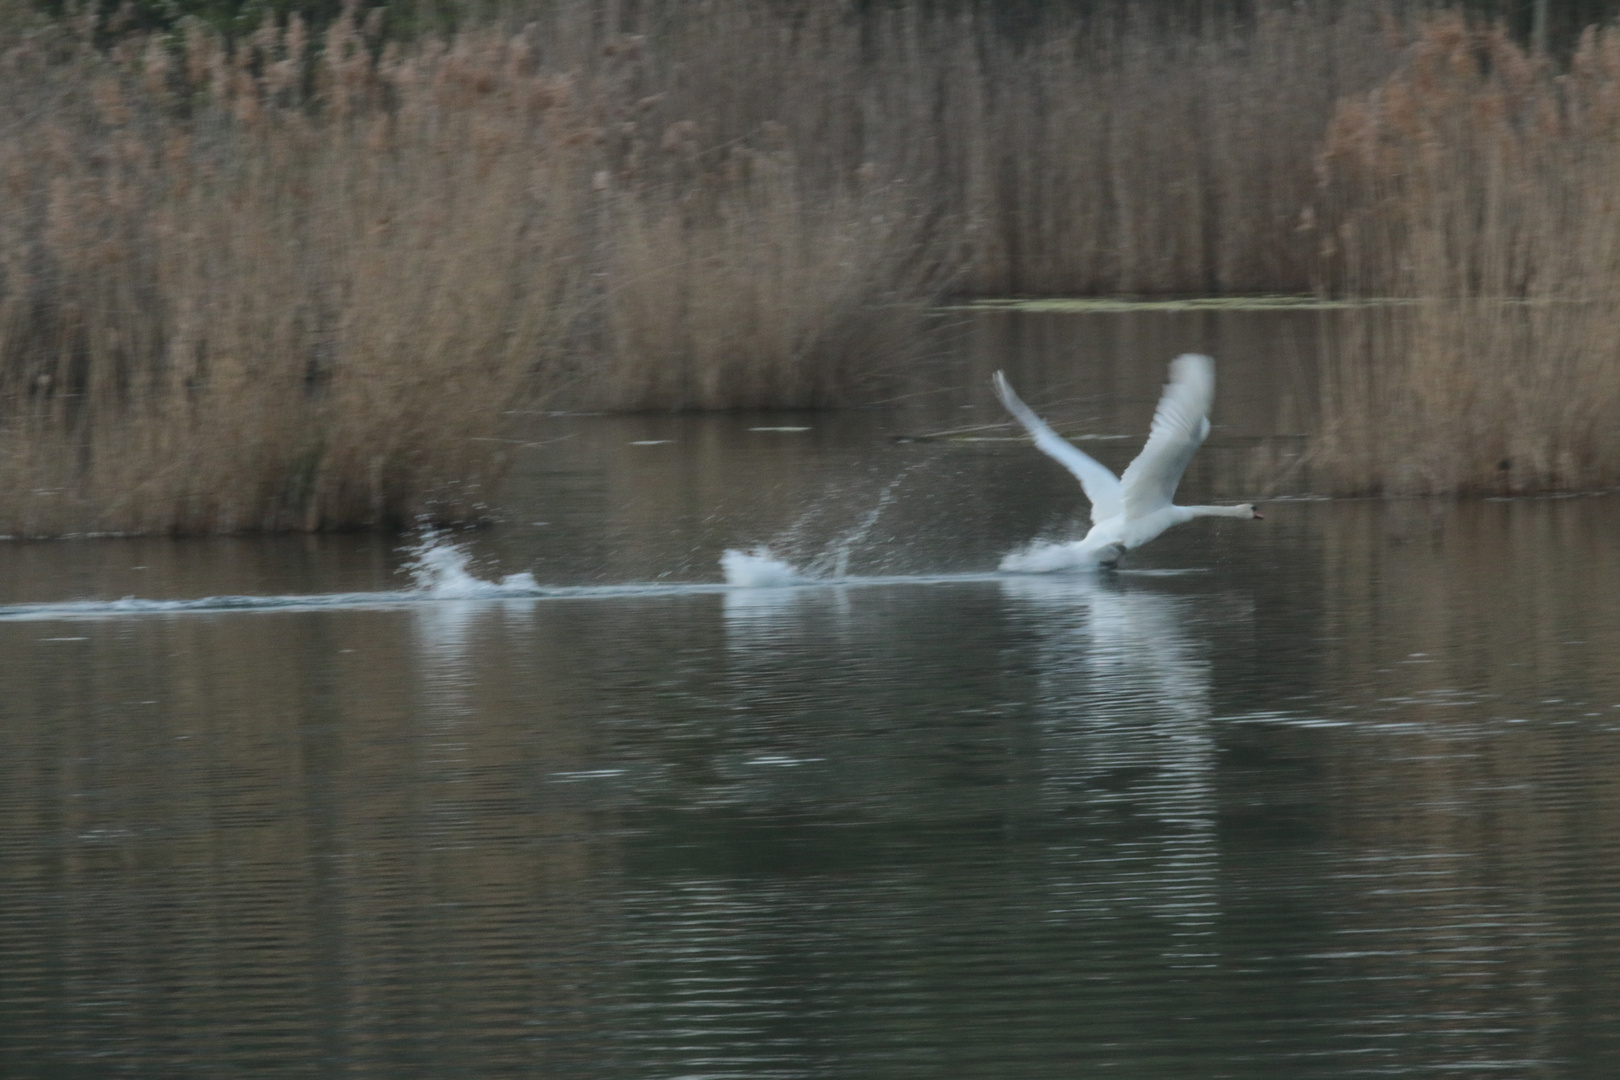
x=438, y=568
x=758, y=569
x=1044, y=557
x=836, y=559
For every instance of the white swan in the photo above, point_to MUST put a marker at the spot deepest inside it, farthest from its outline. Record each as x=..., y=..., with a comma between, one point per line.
x=1128, y=511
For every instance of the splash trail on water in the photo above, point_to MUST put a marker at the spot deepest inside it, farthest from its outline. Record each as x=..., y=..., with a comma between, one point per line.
x=440, y=572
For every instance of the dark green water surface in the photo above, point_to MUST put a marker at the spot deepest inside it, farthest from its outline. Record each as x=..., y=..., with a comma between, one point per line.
x=1336, y=794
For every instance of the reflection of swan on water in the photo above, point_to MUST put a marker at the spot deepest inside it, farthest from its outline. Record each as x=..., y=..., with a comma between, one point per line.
x=1123, y=707
x=1128, y=511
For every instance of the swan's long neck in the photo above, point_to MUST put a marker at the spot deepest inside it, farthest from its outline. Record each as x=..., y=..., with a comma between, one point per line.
x=1219, y=511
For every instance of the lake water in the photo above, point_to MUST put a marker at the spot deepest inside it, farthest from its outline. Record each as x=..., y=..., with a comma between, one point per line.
x=1335, y=794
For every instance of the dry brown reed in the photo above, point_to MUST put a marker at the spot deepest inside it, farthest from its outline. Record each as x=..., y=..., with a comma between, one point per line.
x=761, y=294
x=225, y=310
x=1111, y=153
x=1479, y=181
x=290, y=284
x=1125, y=157
x=258, y=289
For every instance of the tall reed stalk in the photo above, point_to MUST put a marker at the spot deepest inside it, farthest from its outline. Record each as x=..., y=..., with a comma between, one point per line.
x=1478, y=181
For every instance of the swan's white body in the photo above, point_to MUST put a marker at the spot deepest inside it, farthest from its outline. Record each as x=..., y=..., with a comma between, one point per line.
x=1127, y=511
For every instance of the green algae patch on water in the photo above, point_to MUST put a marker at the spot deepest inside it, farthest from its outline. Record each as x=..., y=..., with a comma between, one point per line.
x=1089, y=305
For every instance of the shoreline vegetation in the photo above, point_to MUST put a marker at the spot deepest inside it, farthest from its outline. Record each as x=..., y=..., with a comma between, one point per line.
x=299, y=277
x=1478, y=180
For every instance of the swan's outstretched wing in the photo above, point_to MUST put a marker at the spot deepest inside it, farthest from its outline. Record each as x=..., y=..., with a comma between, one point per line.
x=1179, y=425
x=1101, y=486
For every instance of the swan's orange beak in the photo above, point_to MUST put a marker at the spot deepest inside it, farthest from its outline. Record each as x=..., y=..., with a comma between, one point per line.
x=1258, y=516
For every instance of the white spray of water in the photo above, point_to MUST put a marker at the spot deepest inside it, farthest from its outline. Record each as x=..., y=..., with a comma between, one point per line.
x=438, y=567
x=758, y=569
x=837, y=558
x=1042, y=557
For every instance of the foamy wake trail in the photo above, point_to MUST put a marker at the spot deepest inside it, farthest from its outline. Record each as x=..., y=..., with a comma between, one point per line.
x=438, y=568
x=758, y=569
x=1045, y=558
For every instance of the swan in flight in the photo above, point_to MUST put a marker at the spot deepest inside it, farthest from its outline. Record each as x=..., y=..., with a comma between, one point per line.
x=1128, y=511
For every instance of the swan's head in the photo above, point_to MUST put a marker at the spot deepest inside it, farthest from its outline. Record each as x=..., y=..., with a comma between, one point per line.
x=1254, y=511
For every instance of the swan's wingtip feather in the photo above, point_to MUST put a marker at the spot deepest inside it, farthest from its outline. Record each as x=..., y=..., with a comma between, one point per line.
x=1192, y=365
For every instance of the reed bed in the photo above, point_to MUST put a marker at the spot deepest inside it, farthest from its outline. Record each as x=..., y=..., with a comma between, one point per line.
x=296, y=283
x=1479, y=182
x=1128, y=150
x=1124, y=157
x=274, y=287
x=225, y=311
